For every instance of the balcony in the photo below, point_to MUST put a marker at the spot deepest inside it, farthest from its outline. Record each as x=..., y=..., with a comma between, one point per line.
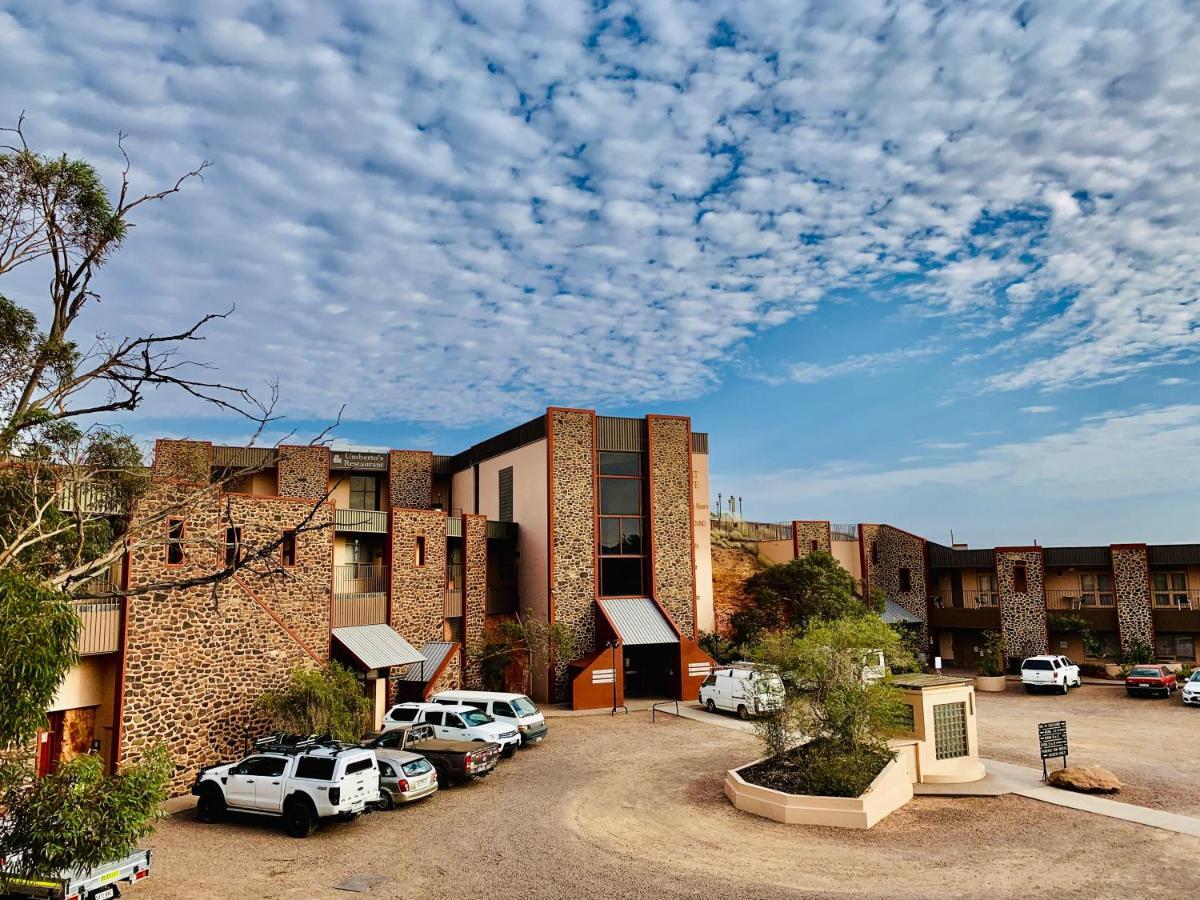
x=972, y=610
x=1176, y=610
x=101, y=630
x=502, y=531
x=1097, y=608
x=90, y=498
x=359, y=595
x=361, y=521
x=454, y=590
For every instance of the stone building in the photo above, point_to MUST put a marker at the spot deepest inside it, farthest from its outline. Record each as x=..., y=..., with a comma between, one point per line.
x=394, y=564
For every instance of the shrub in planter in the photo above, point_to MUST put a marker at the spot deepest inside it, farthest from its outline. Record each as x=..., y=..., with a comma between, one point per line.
x=991, y=662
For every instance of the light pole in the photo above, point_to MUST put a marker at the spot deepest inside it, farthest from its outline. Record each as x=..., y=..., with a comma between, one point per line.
x=612, y=646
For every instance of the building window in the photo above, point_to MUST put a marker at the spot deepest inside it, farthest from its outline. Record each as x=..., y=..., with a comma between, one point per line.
x=1109, y=647
x=1176, y=647
x=175, y=534
x=419, y=551
x=906, y=718
x=875, y=552
x=1170, y=589
x=506, y=494
x=905, y=581
x=288, y=548
x=950, y=730
x=621, y=526
x=364, y=492
x=812, y=547
x=1020, y=579
x=233, y=545
x=988, y=594
x=1095, y=589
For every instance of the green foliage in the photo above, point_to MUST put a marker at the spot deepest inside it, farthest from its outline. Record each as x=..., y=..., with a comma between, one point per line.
x=995, y=651
x=822, y=768
x=38, y=632
x=719, y=648
x=320, y=701
x=524, y=639
x=1136, y=653
x=78, y=816
x=1093, y=646
x=791, y=595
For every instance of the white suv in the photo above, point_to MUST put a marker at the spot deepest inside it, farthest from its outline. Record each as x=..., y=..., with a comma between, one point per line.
x=1056, y=673
x=457, y=723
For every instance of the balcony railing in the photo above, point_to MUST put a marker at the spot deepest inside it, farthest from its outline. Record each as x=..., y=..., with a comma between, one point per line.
x=454, y=526
x=372, y=521
x=1175, y=599
x=101, y=631
x=454, y=590
x=843, y=532
x=359, y=595
x=970, y=600
x=752, y=531
x=1074, y=599
x=91, y=498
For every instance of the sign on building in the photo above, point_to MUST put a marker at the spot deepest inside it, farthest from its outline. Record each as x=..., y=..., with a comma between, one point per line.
x=355, y=459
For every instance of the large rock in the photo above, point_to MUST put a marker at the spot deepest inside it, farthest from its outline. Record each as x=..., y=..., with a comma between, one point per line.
x=1087, y=779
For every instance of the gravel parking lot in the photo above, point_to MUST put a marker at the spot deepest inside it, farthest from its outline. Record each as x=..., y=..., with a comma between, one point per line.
x=623, y=808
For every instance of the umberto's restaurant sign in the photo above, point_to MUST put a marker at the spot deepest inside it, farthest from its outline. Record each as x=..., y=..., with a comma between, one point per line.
x=349, y=459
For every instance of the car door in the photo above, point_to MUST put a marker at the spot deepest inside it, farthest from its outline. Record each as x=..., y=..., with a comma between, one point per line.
x=434, y=718
x=269, y=784
x=454, y=728
x=239, y=788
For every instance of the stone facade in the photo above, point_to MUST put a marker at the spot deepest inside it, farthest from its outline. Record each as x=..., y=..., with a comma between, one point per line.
x=183, y=460
x=571, y=435
x=475, y=589
x=197, y=658
x=1022, y=614
x=303, y=472
x=418, y=591
x=410, y=478
x=887, y=550
x=673, y=578
x=1131, y=584
x=807, y=536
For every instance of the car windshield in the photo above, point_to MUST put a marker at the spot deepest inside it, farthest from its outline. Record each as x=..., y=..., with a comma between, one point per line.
x=523, y=706
x=417, y=767
x=1195, y=676
x=1145, y=673
x=475, y=717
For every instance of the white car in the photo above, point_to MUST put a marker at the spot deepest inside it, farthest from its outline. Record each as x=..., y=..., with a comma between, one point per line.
x=1191, y=690
x=516, y=710
x=1056, y=673
x=743, y=689
x=457, y=723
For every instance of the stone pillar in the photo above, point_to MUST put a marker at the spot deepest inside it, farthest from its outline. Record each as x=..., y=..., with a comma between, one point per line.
x=804, y=534
x=673, y=572
x=1131, y=584
x=183, y=460
x=303, y=472
x=1022, y=613
x=410, y=478
x=571, y=435
x=418, y=586
x=475, y=588
x=885, y=551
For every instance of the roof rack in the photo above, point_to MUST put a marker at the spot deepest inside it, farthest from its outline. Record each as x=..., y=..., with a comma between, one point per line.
x=294, y=743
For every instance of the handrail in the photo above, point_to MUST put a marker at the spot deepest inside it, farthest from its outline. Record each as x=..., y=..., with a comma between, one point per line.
x=654, y=708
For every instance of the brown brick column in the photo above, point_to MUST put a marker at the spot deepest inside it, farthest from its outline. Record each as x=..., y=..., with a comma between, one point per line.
x=475, y=589
x=183, y=460
x=805, y=533
x=1022, y=614
x=303, y=472
x=571, y=447
x=673, y=566
x=895, y=550
x=410, y=478
x=1131, y=584
x=418, y=591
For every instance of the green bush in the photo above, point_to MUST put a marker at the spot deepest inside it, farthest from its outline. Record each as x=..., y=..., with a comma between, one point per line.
x=1137, y=653
x=991, y=663
x=320, y=701
x=719, y=648
x=821, y=767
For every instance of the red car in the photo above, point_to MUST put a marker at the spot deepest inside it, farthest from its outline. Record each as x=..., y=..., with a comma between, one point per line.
x=1150, y=680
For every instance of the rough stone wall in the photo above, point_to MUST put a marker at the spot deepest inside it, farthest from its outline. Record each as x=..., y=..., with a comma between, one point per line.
x=1022, y=615
x=1131, y=584
x=303, y=472
x=196, y=662
x=673, y=576
x=474, y=592
x=804, y=533
x=572, y=531
x=451, y=677
x=897, y=550
x=418, y=592
x=410, y=478
x=183, y=460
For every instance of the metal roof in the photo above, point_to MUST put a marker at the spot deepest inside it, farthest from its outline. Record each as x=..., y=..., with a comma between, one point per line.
x=1173, y=554
x=942, y=557
x=377, y=646
x=638, y=620
x=434, y=653
x=895, y=614
x=1058, y=557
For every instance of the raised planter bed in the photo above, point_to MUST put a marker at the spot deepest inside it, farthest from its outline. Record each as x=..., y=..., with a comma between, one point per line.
x=890, y=790
x=992, y=683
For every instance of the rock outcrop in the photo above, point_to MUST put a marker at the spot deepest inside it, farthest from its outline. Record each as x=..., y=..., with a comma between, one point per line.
x=1086, y=779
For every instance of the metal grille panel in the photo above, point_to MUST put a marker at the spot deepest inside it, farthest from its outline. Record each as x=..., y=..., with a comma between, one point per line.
x=506, y=494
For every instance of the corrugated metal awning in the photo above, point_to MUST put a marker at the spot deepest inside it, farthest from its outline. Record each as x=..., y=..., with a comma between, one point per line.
x=434, y=654
x=377, y=646
x=638, y=620
x=895, y=614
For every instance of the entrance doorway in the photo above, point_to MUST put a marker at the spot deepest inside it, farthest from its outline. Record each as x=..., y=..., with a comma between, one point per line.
x=651, y=670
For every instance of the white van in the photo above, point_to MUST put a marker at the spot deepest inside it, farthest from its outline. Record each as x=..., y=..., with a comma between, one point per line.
x=743, y=689
x=516, y=710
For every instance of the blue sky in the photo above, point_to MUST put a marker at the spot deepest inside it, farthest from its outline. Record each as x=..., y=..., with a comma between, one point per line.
x=933, y=264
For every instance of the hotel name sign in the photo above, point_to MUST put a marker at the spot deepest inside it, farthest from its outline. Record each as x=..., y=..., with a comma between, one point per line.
x=353, y=459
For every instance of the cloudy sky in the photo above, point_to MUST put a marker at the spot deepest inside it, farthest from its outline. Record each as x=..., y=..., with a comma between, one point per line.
x=934, y=264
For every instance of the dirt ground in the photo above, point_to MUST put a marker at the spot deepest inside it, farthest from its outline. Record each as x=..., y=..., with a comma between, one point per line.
x=625, y=808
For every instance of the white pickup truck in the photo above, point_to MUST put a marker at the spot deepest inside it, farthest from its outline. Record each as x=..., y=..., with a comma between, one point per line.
x=98, y=883
x=300, y=782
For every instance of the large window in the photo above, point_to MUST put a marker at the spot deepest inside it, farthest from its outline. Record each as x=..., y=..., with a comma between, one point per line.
x=988, y=593
x=1095, y=589
x=1176, y=646
x=622, y=525
x=950, y=730
x=1170, y=589
x=364, y=492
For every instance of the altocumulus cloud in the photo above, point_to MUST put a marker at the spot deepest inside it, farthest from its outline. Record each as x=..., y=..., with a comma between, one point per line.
x=455, y=212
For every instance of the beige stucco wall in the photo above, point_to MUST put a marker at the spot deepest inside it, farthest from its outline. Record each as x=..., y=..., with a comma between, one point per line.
x=776, y=552
x=847, y=553
x=462, y=494
x=258, y=484
x=929, y=768
x=705, y=618
x=91, y=682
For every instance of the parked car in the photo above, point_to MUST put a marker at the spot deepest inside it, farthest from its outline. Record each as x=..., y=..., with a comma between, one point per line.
x=404, y=776
x=1191, y=690
x=1055, y=673
x=95, y=883
x=457, y=723
x=298, y=781
x=516, y=710
x=453, y=761
x=1150, y=680
x=743, y=689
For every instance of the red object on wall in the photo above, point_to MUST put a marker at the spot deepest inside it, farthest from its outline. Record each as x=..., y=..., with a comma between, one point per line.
x=49, y=746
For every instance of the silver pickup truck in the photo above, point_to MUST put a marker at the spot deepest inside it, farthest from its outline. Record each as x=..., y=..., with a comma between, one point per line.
x=99, y=883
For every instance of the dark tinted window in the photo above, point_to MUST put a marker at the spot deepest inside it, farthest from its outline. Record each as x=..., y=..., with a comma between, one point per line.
x=1020, y=579
x=614, y=463
x=432, y=717
x=401, y=714
x=500, y=708
x=390, y=739
x=621, y=576
x=288, y=548
x=319, y=768
x=905, y=580
x=262, y=765
x=453, y=721
x=385, y=770
x=360, y=765
x=1039, y=665
x=619, y=497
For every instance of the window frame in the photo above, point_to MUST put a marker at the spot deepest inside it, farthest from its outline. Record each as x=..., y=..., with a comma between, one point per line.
x=1020, y=578
x=623, y=521
x=235, y=545
x=174, y=543
x=420, y=552
x=363, y=493
x=289, y=540
x=1176, y=597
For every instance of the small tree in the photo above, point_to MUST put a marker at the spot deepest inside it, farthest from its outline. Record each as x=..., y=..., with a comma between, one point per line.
x=320, y=701
x=719, y=648
x=525, y=639
x=995, y=652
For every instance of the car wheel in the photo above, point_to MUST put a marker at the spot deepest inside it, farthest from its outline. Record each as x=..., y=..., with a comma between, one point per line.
x=742, y=712
x=509, y=751
x=710, y=706
x=443, y=776
x=211, y=807
x=299, y=819
x=1065, y=687
x=386, y=802
x=1029, y=688
x=1128, y=693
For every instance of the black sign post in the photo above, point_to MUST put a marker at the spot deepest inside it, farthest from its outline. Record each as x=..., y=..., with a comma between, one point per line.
x=1053, y=738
